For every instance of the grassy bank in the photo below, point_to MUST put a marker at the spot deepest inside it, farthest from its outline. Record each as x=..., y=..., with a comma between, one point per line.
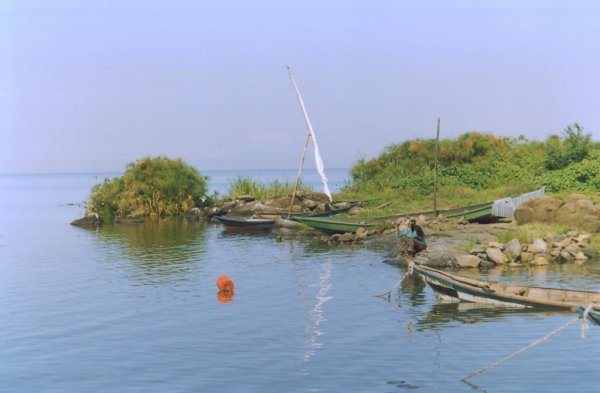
x=475, y=168
x=259, y=190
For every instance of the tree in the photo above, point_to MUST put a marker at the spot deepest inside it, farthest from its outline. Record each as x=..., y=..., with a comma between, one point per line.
x=573, y=147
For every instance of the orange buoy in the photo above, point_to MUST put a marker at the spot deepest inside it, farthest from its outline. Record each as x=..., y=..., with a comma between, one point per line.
x=225, y=297
x=225, y=284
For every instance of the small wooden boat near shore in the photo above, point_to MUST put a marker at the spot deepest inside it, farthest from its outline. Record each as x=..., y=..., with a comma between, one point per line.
x=245, y=223
x=458, y=288
x=592, y=315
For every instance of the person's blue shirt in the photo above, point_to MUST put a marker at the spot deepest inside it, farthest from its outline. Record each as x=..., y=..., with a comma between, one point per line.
x=414, y=234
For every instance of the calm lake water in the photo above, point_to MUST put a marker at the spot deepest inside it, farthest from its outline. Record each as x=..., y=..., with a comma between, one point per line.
x=135, y=309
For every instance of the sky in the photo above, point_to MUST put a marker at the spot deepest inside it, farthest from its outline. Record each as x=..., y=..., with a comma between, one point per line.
x=90, y=86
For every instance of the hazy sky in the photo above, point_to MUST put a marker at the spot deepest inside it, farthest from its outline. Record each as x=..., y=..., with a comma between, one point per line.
x=93, y=85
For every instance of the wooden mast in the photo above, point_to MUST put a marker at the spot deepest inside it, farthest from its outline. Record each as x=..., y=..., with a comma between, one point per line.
x=305, y=145
x=435, y=173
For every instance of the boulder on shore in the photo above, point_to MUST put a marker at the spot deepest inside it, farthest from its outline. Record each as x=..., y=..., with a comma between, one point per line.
x=91, y=220
x=575, y=211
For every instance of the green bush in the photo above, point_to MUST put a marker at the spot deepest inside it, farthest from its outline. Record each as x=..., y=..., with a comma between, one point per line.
x=580, y=176
x=476, y=167
x=150, y=187
x=572, y=148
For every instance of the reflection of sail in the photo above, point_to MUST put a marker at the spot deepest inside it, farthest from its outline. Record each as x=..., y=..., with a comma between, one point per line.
x=315, y=315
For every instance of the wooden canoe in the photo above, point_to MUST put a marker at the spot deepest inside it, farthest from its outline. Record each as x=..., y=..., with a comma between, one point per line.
x=334, y=225
x=593, y=315
x=246, y=223
x=458, y=288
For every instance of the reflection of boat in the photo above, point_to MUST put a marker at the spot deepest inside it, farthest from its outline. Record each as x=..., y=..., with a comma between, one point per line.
x=245, y=223
x=442, y=315
x=459, y=288
x=592, y=315
x=335, y=225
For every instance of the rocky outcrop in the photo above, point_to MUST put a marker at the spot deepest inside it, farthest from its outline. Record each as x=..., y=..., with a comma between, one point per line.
x=91, y=220
x=575, y=211
x=572, y=247
x=304, y=202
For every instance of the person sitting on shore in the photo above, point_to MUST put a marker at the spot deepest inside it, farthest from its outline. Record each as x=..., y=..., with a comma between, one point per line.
x=412, y=241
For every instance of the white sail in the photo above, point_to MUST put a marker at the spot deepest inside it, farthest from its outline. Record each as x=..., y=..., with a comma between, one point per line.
x=318, y=159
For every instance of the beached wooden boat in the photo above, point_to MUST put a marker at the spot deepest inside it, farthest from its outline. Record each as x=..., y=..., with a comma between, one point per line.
x=335, y=225
x=458, y=288
x=327, y=213
x=245, y=223
x=475, y=213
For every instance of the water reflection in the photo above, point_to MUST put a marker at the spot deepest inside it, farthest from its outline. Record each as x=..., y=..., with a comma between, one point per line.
x=315, y=315
x=446, y=315
x=413, y=288
x=161, y=250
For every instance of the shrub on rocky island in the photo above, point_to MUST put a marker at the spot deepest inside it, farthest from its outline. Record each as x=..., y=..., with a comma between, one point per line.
x=154, y=187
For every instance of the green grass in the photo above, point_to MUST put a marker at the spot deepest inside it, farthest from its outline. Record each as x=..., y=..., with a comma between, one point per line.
x=527, y=232
x=247, y=186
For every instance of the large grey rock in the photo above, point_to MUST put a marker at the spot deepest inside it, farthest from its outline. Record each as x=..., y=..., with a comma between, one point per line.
x=538, y=246
x=467, y=260
x=574, y=211
x=496, y=255
x=512, y=249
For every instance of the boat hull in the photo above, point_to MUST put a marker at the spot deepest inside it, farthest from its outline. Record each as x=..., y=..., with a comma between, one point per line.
x=241, y=223
x=459, y=288
x=329, y=225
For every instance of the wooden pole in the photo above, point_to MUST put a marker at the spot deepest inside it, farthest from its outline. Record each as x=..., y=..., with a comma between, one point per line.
x=435, y=173
x=299, y=172
x=305, y=145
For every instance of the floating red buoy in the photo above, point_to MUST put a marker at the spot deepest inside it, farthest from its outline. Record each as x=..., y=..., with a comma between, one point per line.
x=225, y=284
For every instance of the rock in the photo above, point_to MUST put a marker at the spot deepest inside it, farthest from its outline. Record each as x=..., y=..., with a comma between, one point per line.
x=309, y=204
x=477, y=250
x=486, y=264
x=214, y=211
x=467, y=260
x=513, y=249
x=245, y=198
x=496, y=255
x=539, y=260
x=227, y=206
x=566, y=241
x=572, y=249
x=538, y=246
x=342, y=238
x=527, y=257
x=524, y=214
x=361, y=233
x=515, y=264
x=434, y=259
x=91, y=220
x=496, y=245
x=583, y=239
x=580, y=256
x=194, y=214
x=565, y=257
